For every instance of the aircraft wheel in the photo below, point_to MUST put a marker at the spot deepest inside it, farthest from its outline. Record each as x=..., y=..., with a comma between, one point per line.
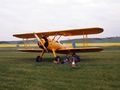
x=57, y=59
x=38, y=59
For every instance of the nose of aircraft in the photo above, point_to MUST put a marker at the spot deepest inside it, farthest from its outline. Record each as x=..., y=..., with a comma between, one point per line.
x=42, y=42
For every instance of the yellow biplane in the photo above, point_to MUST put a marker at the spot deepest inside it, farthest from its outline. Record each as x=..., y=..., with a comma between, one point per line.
x=54, y=46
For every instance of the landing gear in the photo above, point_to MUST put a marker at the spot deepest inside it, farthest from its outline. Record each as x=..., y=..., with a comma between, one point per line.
x=38, y=59
x=57, y=59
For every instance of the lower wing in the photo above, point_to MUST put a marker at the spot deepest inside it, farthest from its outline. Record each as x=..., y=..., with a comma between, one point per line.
x=66, y=51
x=30, y=50
x=78, y=50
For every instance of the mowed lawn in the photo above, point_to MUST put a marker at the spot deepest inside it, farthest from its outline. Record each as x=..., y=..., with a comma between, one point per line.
x=96, y=71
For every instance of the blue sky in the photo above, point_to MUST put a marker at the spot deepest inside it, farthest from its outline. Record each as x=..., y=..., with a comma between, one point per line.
x=22, y=16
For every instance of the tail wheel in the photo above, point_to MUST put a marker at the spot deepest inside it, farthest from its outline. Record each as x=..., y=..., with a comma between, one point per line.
x=38, y=59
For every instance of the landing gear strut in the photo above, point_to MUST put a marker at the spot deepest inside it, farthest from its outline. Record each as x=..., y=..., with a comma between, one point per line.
x=39, y=58
x=57, y=58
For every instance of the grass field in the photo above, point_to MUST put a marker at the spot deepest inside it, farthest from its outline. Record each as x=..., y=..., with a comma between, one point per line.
x=96, y=71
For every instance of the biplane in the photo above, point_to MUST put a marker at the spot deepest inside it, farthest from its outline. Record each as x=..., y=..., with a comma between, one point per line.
x=47, y=44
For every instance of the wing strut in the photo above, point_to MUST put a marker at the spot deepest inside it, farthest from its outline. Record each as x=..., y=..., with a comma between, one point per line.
x=59, y=37
x=85, y=40
x=40, y=41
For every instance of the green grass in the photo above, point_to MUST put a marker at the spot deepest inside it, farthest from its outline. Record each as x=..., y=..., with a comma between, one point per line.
x=96, y=71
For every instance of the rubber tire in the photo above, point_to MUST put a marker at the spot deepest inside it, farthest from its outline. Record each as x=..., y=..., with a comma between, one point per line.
x=58, y=59
x=38, y=59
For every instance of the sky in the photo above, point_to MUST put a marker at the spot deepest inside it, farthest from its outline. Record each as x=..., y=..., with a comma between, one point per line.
x=25, y=16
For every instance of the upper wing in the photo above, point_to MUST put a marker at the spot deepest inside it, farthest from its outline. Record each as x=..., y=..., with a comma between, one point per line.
x=78, y=50
x=71, y=32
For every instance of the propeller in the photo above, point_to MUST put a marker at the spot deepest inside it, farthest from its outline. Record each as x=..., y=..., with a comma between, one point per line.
x=40, y=41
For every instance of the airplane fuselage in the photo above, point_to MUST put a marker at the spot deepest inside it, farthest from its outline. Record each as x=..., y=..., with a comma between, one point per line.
x=51, y=44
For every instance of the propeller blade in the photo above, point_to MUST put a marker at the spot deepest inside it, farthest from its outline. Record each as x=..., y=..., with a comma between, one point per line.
x=40, y=41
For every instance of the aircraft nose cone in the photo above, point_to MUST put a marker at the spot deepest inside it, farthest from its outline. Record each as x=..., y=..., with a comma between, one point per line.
x=42, y=42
